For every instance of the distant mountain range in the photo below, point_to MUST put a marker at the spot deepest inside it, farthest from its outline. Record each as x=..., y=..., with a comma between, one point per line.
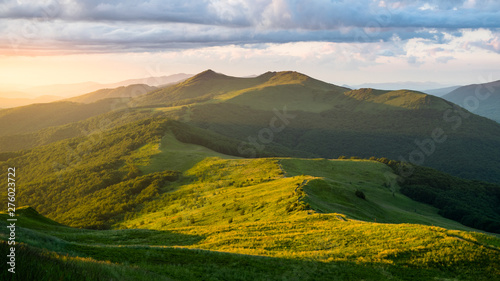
x=49, y=93
x=279, y=165
x=409, y=85
x=440, y=91
x=14, y=102
x=482, y=99
x=124, y=92
x=315, y=119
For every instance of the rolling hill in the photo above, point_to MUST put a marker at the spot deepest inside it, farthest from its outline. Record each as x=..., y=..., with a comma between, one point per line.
x=282, y=216
x=32, y=118
x=123, y=92
x=130, y=169
x=482, y=99
x=291, y=114
x=163, y=188
x=76, y=89
x=323, y=120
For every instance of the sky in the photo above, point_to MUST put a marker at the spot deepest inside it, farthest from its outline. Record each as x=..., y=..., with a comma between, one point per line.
x=452, y=42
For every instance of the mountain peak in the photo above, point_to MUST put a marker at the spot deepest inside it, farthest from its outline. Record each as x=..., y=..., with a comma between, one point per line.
x=208, y=74
x=286, y=77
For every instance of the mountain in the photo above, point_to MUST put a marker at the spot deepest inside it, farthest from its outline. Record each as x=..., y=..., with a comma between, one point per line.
x=31, y=118
x=124, y=92
x=291, y=114
x=317, y=119
x=481, y=99
x=210, y=85
x=63, y=90
x=76, y=89
x=441, y=91
x=12, y=94
x=158, y=81
x=15, y=102
x=411, y=85
x=238, y=179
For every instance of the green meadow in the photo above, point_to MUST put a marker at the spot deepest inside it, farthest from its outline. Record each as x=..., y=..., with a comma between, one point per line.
x=261, y=219
x=160, y=186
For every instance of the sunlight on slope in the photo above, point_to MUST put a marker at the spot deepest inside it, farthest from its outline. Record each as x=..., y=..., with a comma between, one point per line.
x=333, y=191
x=171, y=154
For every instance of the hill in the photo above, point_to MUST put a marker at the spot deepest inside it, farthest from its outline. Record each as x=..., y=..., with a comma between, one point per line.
x=210, y=85
x=127, y=171
x=123, y=92
x=31, y=118
x=266, y=218
x=291, y=114
x=93, y=127
x=173, y=210
x=75, y=89
x=482, y=99
x=323, y=120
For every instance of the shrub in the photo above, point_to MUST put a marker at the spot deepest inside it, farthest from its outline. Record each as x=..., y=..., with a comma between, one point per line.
x=360, y=194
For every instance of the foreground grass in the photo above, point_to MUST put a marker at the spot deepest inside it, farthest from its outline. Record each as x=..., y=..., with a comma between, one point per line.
x=316, y=247
x=258, y=219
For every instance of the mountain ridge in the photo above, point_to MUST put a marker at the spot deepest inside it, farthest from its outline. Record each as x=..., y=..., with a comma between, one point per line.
x=482, y=99
x=324, y=120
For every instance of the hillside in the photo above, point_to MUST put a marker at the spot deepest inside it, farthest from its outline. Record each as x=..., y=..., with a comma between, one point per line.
x=481, y=99
x=210, y=85
x=284, y=217
x=123, y=92
x=137, y=164
x=76, y=89
x=32, y=118
x=291, y=114
x=323, y=120
x=159, y=203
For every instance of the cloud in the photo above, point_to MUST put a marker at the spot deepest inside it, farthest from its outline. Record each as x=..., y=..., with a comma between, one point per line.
x=444, y=59
x=413, y=60
x=304, y=14
x=154, y=25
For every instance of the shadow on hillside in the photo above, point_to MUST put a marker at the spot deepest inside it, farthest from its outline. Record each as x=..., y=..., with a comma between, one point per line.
x=196, y=264
x=129, y=237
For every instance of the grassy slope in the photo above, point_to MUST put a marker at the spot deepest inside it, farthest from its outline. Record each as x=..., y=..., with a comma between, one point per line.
x=363, y=122
x=31, y=118
x=338, y=180
x=249, y=207
x=388, y=133
x=201, y=87
x=90, y=127
x=256, y=195
x=171, y=154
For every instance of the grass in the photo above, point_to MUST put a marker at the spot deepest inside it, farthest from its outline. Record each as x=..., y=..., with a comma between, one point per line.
x=333, y=191
x=312, y=247
x=247, y=219
x=171, y=154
